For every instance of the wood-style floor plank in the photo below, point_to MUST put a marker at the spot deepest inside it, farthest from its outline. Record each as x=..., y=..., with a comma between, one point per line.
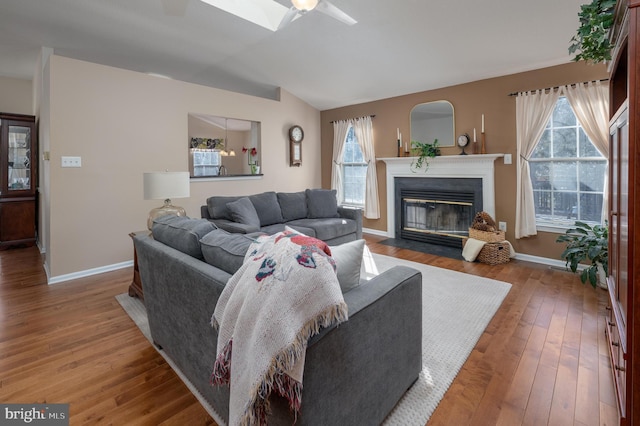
x=543, y=358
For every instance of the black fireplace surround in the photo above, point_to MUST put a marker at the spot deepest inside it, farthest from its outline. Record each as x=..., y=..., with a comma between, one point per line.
x=436, y=210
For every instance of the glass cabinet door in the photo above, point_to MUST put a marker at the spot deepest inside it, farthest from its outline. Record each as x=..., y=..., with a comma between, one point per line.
x=19, y=159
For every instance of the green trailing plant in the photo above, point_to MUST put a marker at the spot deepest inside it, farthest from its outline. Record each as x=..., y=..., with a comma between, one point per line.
x=423, y=151
x=586, y=242
x=592, y=38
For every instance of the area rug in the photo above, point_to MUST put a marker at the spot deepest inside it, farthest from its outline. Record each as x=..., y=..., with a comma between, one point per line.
x=457, y=308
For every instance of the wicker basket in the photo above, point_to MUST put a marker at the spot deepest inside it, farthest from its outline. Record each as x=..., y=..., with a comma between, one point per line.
x=489, y=237
x=494, y=253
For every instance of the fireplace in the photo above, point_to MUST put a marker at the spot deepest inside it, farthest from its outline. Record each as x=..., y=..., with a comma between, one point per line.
x=436, y=210
x=444, y=189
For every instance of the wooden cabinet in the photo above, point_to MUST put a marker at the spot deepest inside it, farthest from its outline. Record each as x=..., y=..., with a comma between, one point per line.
x=623, y=312
x=18, y=163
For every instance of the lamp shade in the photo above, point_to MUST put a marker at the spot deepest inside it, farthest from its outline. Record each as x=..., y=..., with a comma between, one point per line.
x=163, y=185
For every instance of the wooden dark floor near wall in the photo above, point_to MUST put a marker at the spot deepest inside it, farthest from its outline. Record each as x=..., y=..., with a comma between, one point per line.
x=542, y=359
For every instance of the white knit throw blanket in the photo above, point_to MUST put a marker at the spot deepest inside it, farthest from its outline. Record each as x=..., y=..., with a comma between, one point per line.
x=284, y=292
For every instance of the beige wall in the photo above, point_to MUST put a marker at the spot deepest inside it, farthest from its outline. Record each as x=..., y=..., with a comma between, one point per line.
x=470, y=101
x=16, y=96
x=123, y=123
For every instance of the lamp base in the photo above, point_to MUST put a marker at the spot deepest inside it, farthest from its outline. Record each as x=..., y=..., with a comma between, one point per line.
x=166, y=210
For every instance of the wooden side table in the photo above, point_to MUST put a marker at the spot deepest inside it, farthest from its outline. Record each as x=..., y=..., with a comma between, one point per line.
x=135, y=289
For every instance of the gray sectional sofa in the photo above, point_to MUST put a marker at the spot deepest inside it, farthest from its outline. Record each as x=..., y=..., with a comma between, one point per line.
x=354, y=373
x=313, y=212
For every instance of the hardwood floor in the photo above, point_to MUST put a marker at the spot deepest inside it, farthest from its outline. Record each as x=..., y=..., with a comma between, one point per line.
x=542, y=360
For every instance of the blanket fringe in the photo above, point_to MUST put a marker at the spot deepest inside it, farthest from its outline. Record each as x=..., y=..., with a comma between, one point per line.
x=221, y=374
x=258, y=408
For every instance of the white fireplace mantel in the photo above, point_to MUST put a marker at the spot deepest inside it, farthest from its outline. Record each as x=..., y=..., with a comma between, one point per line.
x=447, y=166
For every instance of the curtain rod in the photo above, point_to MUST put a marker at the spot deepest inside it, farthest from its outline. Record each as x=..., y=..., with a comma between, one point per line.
x=557, y=87
x=372, y=115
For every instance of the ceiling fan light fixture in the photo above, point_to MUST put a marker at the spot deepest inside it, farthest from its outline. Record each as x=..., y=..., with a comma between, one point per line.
x=304, y=5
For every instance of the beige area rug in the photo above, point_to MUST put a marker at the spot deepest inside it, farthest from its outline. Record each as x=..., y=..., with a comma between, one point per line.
x=457, y=308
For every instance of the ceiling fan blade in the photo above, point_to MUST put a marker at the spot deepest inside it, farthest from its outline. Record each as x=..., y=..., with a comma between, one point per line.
x=174, y=7
x=288, y=17
x=327, y=8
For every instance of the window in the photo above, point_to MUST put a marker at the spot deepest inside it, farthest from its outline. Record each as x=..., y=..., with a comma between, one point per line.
x=354, y=170
x=567, y=172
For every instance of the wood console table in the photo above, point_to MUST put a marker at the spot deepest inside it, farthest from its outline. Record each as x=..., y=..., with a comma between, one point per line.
x=135, y=289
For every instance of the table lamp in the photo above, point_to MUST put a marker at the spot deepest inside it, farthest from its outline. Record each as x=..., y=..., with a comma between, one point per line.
x=164, y=186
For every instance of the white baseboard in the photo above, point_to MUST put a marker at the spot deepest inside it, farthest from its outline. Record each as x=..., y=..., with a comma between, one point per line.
x=87, y=272
x=375, y=232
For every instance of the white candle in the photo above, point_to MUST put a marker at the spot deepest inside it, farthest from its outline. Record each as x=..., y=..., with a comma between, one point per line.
x=400, y=138
x=482, y=123
x=406, y=148
x=474, y=134
x=398, y=131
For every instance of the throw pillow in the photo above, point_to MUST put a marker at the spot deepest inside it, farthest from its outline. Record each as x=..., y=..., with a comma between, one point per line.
x=242, y=211
x=293, y=205
x=268, y=208
x=217, y=206
x=322, y=203
x=225, y=250
x=182, y=233
x=348, y=258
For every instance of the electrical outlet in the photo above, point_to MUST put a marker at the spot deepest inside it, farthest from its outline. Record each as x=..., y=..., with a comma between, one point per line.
x=71, y=161
x=502, y=226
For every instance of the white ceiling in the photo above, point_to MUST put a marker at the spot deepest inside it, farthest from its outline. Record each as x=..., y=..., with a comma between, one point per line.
x=397, y=47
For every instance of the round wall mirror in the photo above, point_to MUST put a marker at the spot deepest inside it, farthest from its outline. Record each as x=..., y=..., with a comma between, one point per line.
x=431, y=121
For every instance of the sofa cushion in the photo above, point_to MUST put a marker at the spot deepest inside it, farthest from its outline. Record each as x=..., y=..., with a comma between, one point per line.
x=243, y=211
x=293, y=205
x=329, y=228
x=268, y=209
x=321, y=203
x=217, y=207
x=348, y=258
x=182, y=233
x=225, y=250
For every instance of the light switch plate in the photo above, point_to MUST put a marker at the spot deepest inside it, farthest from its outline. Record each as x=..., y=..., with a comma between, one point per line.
x=507, y=159
x=71, y=161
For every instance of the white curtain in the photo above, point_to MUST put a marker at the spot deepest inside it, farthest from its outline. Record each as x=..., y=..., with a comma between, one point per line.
x=340, y=129
x=590, y=103
x=533, y=110
x=363, y=128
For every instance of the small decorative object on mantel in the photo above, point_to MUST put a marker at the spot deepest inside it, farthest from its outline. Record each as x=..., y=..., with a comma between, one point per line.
x=423, y=151
x=475, y=142
x=399, y=142
x=483, y=149
x=463, y=141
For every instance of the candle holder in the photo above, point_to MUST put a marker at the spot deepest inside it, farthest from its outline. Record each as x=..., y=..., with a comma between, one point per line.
x=483, y=148
x=399, y=148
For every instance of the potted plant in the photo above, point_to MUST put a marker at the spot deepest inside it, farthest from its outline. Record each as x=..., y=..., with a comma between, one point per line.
x=592, y=37
x=423, y=151
x=591, y=243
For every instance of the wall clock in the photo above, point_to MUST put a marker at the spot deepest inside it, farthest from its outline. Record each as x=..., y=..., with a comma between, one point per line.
x=296, y=135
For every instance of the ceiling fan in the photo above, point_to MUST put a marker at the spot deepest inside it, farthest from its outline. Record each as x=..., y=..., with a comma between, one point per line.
x=300, y=7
